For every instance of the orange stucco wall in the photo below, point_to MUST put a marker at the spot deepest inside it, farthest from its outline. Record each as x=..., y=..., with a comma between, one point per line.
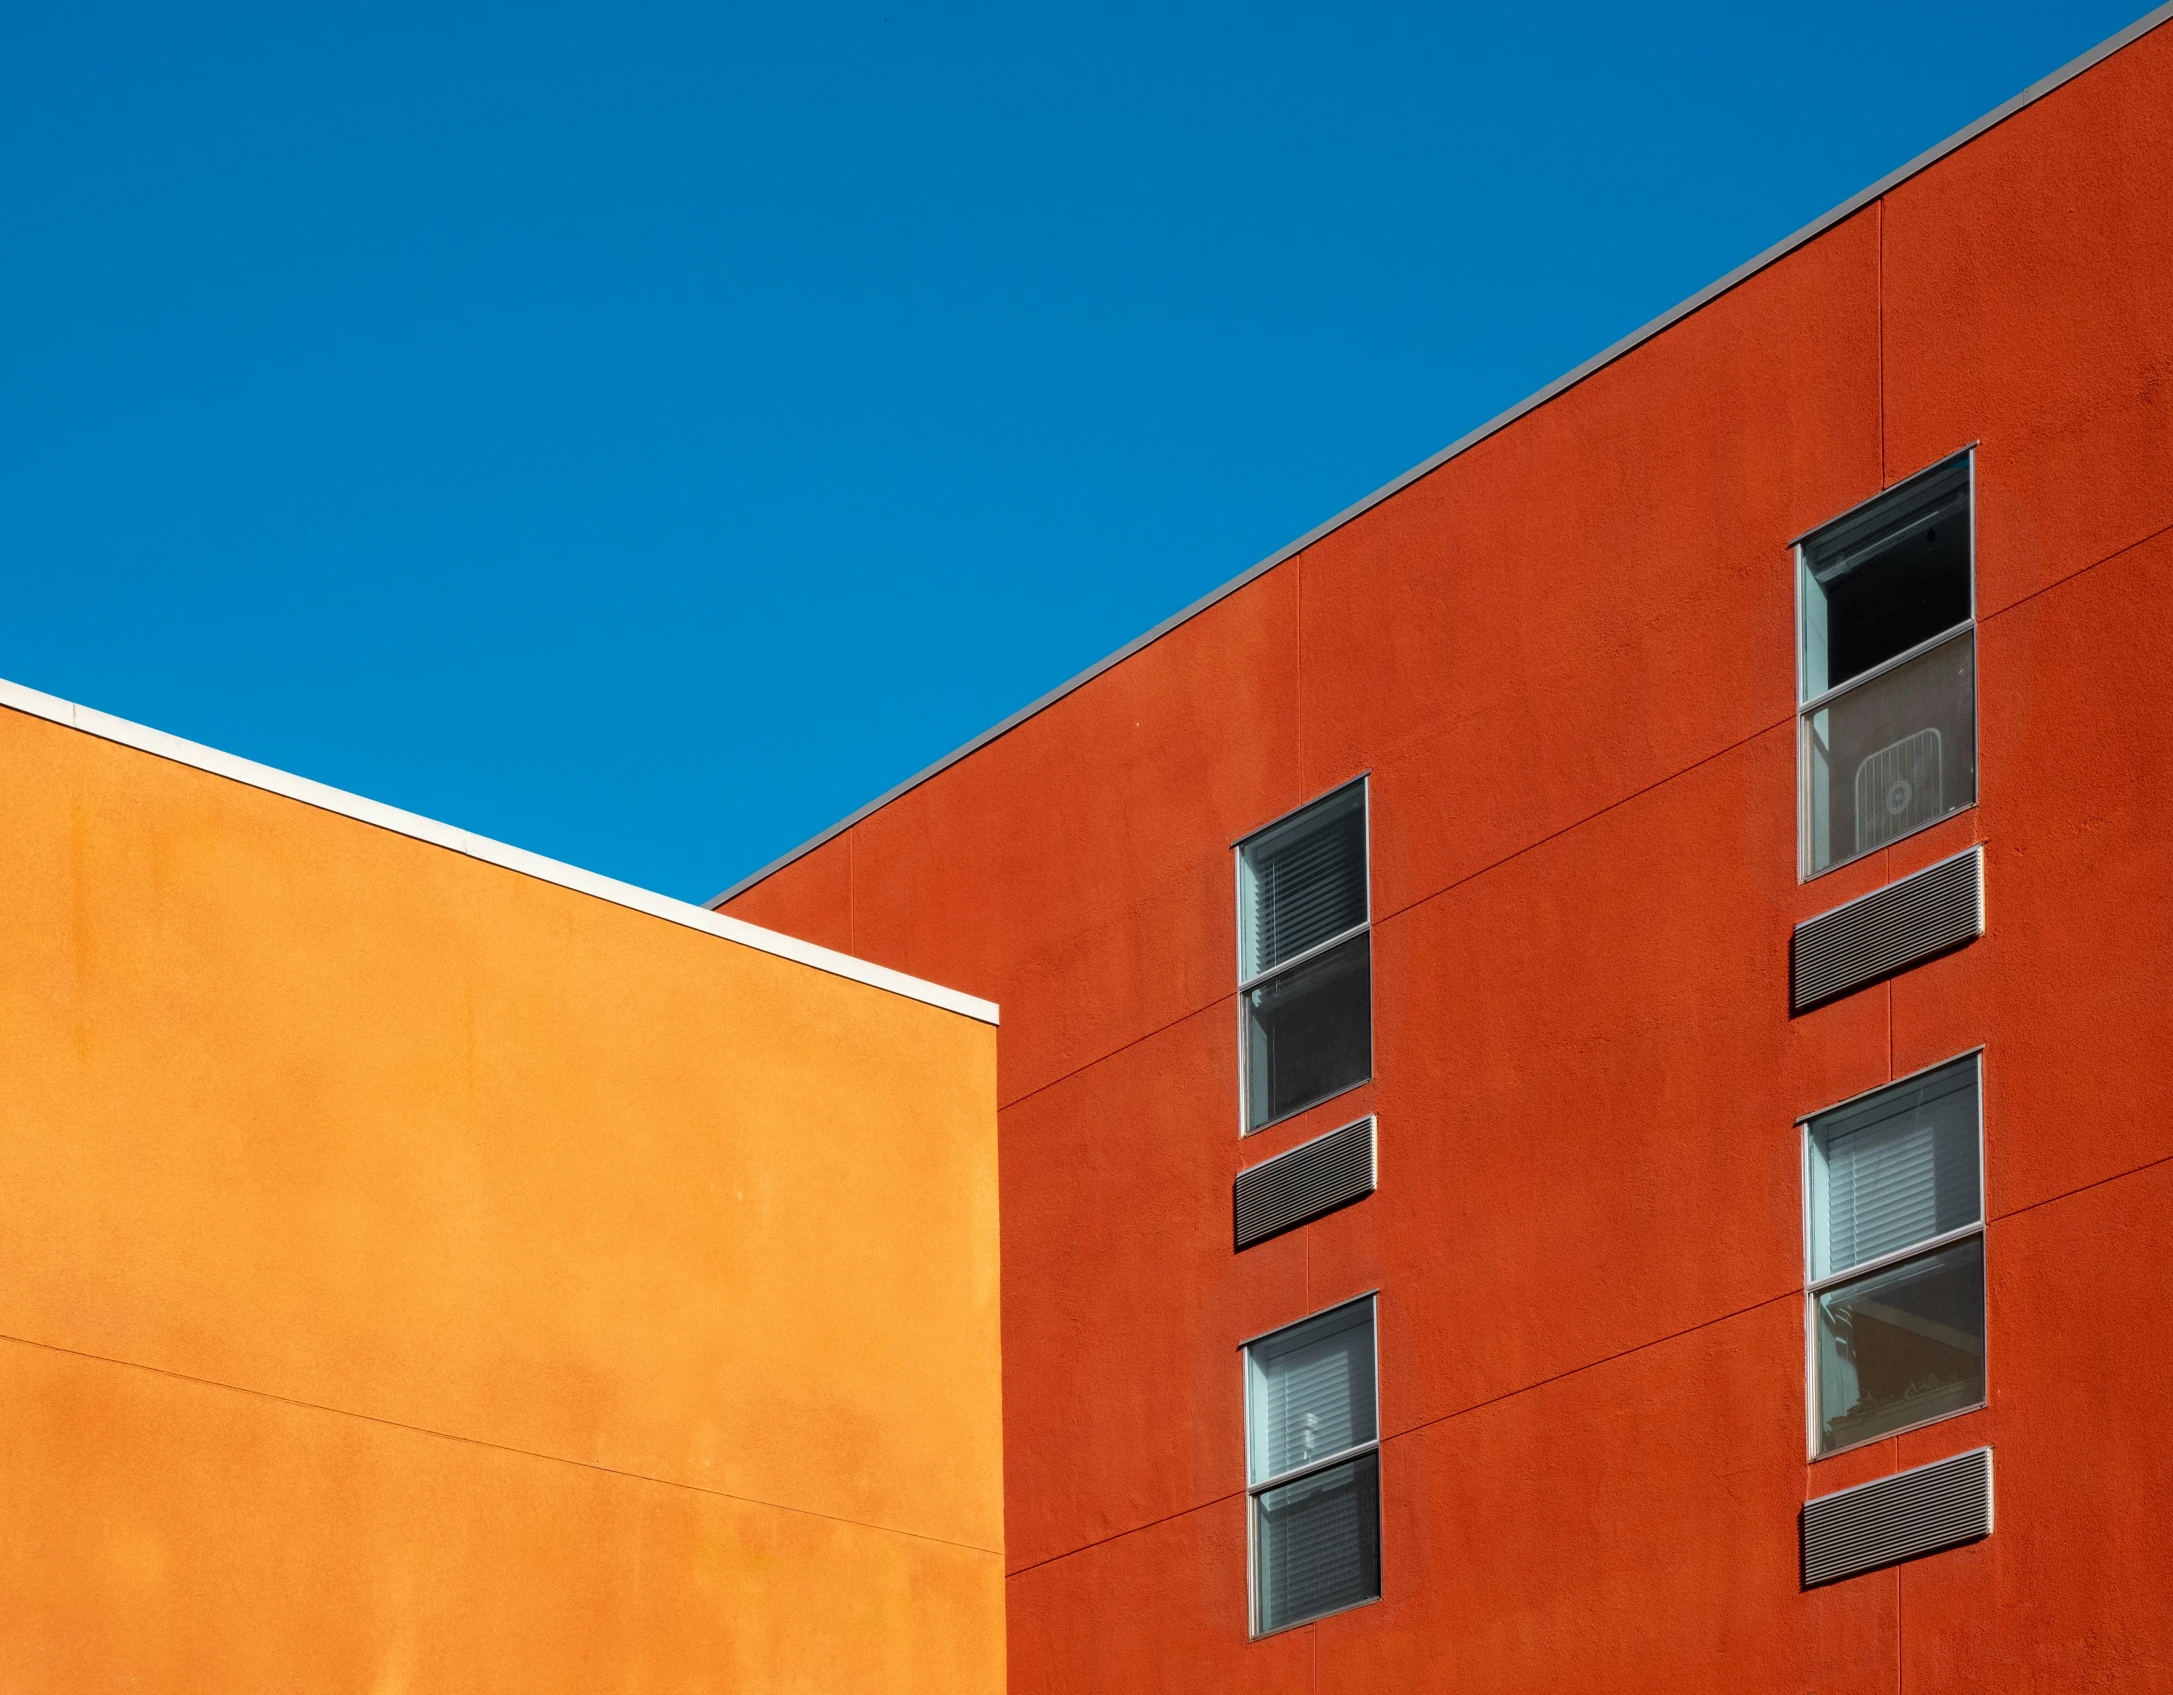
x=417, y=1276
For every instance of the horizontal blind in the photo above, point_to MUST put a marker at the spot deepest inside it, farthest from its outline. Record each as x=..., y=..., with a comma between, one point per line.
x=1898, y=1168
x=1312, y=1391
x=1311, y=1405
x=1306, y=880
x=1319, y=1544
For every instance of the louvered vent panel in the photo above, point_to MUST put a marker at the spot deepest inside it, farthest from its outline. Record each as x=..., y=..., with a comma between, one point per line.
x=1304, y=1183
x=1938, y=908
x=1918, y=1512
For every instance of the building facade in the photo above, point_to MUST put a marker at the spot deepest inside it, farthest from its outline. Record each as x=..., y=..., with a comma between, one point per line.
x=1482, y=1209
x=426, y=1267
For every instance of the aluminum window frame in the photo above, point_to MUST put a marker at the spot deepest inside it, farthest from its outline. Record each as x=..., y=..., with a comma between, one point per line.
x=1371, y=1300
x=1363, y=782
x=1805, y=708
x=1813, y=1287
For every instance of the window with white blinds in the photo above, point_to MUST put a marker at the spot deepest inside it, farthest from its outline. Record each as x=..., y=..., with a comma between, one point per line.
x=1895, y=1280
x=1305, y=958
x=1313, y=1468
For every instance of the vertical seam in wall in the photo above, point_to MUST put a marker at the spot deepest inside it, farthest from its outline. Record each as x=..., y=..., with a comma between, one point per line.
x=1893, y=1465
x=1879, y=290
x=1297, y=578
x=852, y=909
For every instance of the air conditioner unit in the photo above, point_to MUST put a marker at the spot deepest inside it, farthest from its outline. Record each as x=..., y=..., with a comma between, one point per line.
x=1897, y=789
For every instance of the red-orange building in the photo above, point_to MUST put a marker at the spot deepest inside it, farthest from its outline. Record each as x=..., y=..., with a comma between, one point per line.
x=1602, y=708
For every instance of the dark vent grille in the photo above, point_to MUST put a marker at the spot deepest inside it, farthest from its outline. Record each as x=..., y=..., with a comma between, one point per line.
x=1918, y=1512
x=1304, y=1183
x=1938, y=908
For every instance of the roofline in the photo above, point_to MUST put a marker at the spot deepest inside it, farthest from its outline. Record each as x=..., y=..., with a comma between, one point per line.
x=1705, y=296
x=57, y=711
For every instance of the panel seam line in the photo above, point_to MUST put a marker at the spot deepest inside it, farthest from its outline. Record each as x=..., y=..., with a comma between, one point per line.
x=1414, y=1429
x=1597, y=813
x=485, y=1442
x=1572, y=1371
x=2081, y=1189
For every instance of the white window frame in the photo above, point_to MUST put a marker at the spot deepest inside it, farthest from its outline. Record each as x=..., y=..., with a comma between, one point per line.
x=1245, y=986
x=1805, y=708
x=1358, y=1450
x=1813, y=1287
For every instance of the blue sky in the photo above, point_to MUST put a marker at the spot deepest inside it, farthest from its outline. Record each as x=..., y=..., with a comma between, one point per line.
x=645, y=433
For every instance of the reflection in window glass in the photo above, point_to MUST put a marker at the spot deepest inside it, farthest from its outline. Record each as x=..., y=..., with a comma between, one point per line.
x=1902, y=1345
x=1897, y=1335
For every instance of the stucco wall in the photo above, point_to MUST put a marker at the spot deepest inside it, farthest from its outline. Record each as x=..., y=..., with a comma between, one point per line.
x=418, y=1276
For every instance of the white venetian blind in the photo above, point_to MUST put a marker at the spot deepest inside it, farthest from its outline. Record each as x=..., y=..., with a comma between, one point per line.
x=1319, y=1547
x=1897, y=1168
x=1312, y=1391
x=1304, y=881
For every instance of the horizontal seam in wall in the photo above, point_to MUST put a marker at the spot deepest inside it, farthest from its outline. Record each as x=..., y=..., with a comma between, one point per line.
x=1413, y=905
x=495, y=1447
x=1120, y=1048
x=1576, y=1370
x=1593, y=1365
x=1589, y=818
x=1423, y=1424
x=2082, y=1189
x=1600, y=812
x=1120, y=1535
x=2079, y=571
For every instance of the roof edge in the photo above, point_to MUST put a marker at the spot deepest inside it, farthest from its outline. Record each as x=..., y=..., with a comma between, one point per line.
x=53, y=709
x=1607, y=356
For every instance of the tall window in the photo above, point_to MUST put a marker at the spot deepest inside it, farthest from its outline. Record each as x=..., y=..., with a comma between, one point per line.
x=1888, y=673
x=1304, y=958
x=1313, y=1468
x=1896, y=1276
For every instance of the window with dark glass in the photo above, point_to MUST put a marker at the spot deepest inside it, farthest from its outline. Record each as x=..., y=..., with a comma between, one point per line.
x=1313, y=1468
x=1887, y=675
x=1304, y=958
x=1896, y=1273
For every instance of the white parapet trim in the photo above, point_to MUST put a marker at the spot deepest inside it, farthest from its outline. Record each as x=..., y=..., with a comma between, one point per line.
x=58, y=711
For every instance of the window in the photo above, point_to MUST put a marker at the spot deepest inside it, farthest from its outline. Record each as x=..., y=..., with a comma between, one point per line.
x=1896, y=1274
x=1888, y=669
x=1305, y=969
x=1312, y=1444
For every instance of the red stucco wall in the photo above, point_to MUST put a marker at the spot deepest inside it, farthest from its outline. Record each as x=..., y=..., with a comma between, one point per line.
x=1565, y=657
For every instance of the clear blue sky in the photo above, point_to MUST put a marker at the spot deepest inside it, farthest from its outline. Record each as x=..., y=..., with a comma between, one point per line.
x=645, y=433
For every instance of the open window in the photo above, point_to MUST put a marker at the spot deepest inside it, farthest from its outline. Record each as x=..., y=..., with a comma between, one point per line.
x=1888, y=668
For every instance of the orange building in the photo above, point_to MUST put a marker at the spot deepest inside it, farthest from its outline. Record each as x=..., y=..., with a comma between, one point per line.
x=1583, y=1098
x=427, y=1267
